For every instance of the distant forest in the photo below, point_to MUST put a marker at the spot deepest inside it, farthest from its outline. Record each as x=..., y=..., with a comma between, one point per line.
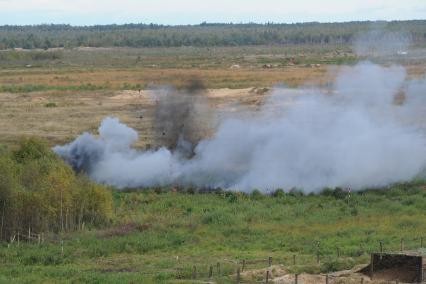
x=205, y=34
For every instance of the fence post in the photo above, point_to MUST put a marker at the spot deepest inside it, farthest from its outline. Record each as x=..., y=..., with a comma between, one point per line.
x=338, y=251
x=326, y=279
x=62, y=247
x=194, y=272
x=238, y=275
x=294, y=259
x=381, y=246
x=267, y=276
x=362, y=280
x=270, y=261
x=402, y=244
x=318, y=252
x=296, y=278
x=218, y=268
x=244, y=265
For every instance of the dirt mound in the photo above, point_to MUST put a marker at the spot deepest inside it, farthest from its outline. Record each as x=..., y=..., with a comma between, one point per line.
x=254, y=275
x=279, y=274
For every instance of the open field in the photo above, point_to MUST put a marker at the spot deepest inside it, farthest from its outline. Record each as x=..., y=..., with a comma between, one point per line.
x=57, y=98
x=158, y=237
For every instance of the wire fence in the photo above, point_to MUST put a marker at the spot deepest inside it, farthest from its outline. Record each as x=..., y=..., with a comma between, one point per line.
x=234, y=269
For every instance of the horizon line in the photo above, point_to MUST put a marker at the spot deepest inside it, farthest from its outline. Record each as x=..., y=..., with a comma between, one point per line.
x=209, y=23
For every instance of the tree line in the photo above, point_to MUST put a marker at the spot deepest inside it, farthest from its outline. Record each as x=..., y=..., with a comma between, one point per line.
x=40, y=193
x=203, y=35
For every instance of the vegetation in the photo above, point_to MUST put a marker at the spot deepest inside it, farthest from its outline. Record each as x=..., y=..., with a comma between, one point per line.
x=205, y=34
x=93, y=234
x=39, y=193
x=158, y=235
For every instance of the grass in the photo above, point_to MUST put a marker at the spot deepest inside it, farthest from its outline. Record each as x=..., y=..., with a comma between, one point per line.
x=159, y=236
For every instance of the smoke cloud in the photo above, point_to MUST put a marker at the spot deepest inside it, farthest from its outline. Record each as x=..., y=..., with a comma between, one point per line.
x=354, y=135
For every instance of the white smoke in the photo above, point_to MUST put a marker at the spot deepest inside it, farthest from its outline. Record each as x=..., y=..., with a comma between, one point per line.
x=379, y=42
x=354, y=136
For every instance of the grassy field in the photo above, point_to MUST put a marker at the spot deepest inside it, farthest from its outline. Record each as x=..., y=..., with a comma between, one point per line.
x=158, y=237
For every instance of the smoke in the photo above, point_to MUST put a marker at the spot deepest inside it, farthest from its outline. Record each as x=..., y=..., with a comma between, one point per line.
x=379, y=42
x=354, y=136
x=177, y=115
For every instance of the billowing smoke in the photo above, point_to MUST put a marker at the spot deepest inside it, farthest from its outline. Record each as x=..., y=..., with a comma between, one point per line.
x=177, y=117
x=354, y=135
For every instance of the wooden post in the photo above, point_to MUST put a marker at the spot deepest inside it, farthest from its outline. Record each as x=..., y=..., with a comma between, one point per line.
x=244, y=265
x=381, y=246
x=318, y=252
x=294, y=259
x=361, y=248
x=194, y=272
x=2, y=218
x=267, y=276
x=62, y=248
x=211, y=272
x=29, y=234
x=238, y=275
x=372, y=266
x=402, y=244
x=326, y=279
x=296, y=278
x=270, y=261
x=218, y=268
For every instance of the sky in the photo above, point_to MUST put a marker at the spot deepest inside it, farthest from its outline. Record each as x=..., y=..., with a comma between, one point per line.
x=176, y=12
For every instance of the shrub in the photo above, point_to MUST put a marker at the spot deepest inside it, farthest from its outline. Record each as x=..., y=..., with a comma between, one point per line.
x=38, y=191
x=49, y=105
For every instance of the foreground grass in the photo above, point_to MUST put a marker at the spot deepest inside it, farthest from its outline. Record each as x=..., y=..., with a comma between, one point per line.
x=159, y=237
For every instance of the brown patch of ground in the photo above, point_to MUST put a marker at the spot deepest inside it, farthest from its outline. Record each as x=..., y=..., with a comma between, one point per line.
x=280, y=275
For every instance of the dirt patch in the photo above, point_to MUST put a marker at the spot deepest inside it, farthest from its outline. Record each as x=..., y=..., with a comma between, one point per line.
x=255, y=275
x=279, y=274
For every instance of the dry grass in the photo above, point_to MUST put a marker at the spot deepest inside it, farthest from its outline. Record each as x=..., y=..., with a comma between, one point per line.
x=117, y=78
x=59, y=100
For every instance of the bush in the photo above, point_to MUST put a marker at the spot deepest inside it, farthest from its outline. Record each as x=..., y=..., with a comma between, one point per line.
x=49, y=105
x=38, y=191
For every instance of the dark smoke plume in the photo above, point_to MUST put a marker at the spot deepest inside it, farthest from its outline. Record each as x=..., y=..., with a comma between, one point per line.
x=176, y=117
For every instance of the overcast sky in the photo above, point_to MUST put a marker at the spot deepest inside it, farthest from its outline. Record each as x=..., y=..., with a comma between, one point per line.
x=89, y=12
